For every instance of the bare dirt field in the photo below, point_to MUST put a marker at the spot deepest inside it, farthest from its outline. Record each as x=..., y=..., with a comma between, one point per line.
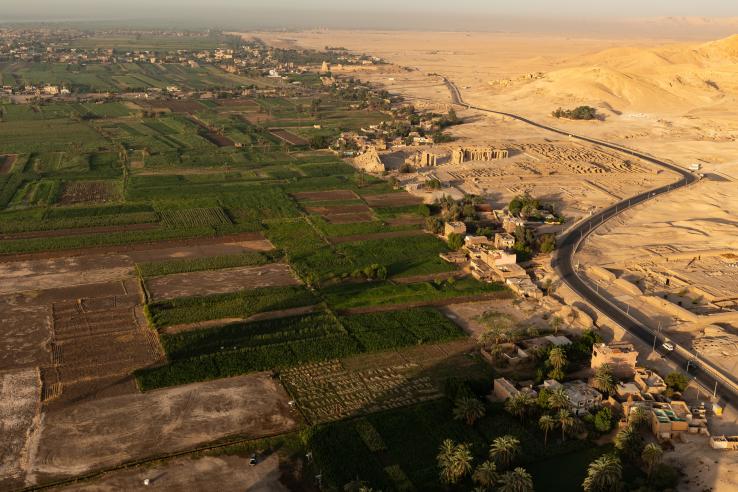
x=329, y=195
x=391, y=200
x=20, y=393
x=158, y=422
x=337, y=209
x=467, y=314
x=220, y=281
x=180, y=106
x=204, y=474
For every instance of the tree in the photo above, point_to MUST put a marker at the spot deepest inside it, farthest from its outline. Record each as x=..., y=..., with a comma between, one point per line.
x=557, y=360
x=566, y=422
x=604, y=380
x=518, y=480
x=434, y=225
x=468, y=409
x=454, y=460
x=455, y=241
x=547, y=423
x=629, y=442
x=486, y=474
x=497, y=328
x=676, y=381
x=558, y=399
x=651, y=456
x=603, y=420
x=547, y=244
x=504, y=449
x=519, y=405
x=639, y=417
x=604, y=474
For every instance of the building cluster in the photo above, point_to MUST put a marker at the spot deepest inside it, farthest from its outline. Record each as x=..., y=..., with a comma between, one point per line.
x=491, y=260
x=640, y=394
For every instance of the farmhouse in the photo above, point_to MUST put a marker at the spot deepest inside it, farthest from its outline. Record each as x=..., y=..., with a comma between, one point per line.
x=454, y=228
x=582, y=398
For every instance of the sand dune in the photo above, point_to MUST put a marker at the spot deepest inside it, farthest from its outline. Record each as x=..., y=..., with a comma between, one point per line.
x=666, y=79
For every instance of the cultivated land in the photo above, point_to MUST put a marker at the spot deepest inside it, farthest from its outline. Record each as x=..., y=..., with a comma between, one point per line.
x=160, y=254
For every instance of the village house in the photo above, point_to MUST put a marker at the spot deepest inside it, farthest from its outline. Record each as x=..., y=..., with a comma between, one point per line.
x=454, y=228
x=582, y=398
x=649, y=382
x=619, y=356
x=504, y=240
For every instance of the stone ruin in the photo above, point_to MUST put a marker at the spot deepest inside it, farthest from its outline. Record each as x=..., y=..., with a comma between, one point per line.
x=461, y=155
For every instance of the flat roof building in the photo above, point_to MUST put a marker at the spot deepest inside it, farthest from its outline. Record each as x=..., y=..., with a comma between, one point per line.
x=620, y=356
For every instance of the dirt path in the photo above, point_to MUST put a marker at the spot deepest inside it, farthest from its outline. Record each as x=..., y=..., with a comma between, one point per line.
x=428, y=278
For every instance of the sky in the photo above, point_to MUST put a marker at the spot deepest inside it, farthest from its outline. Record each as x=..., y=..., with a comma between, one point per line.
x=390, y=14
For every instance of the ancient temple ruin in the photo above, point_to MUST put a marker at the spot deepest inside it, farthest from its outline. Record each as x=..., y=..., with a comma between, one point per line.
x=461, y=155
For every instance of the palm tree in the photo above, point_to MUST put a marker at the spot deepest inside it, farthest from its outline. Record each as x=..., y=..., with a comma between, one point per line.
x=604, y=474
x=628, y=442
x=468, y=409
x=555, y=322
x=454, y=460
x=557, y=359
x=486, y=475
x=518, y=480
x=558, y=399
x=519, y=405
x=546, y=423
x=651, y=456
x=504, y=449
x=603, y=379
x=566, y=421
x=639, y=417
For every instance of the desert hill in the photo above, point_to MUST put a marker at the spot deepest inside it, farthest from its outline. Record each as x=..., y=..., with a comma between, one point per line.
x=667, y=79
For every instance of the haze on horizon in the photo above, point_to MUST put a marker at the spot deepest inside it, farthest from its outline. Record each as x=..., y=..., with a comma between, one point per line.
x=678, y=17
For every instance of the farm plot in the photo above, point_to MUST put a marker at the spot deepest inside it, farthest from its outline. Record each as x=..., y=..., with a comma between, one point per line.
x=137, y=426
x=240, y=348
x=204, y=283
x=371, y=383
x=392, y=200
x=218, y=262
x=343, y=214
x=96, y=338
x=288, y=137
x=19, y=398
x=74, y=192
x=194, y=217
x=329, y=195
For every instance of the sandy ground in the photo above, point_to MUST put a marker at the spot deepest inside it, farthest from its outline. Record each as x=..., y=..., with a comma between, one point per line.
x=198, y=475
x=220, y=281
x=20, y=393
x=527, y=313
x=114, y=430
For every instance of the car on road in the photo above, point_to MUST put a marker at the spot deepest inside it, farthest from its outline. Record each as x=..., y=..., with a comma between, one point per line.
x=668, y=346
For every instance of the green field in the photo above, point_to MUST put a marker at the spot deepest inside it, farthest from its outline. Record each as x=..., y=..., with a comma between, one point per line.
x=285, y=342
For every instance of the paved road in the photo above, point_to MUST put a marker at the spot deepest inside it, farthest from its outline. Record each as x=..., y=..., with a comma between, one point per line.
x=569, y=244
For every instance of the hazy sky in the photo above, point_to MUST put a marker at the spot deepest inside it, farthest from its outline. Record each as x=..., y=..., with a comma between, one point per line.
x=493, y=14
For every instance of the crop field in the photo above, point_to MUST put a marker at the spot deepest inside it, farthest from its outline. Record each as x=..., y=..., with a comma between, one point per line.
x=194, y=217
x=241, y=304
x=218, y=262
x=89, y=192
x=240, y=348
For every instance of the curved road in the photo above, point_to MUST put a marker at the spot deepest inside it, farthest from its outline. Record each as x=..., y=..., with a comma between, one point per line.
x=569, y=244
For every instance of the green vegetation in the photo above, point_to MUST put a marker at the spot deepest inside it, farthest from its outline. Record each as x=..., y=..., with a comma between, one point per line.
x=185, y=265
x=389, y=293
x=579, y=113
x=285, y=342
x=241, y=304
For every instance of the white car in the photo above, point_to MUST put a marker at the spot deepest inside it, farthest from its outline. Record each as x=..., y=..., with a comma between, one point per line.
x=668, y=346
